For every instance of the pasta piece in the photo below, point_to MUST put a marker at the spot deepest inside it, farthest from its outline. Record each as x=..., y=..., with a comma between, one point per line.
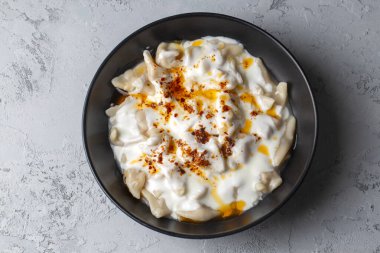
x=110, y=112
x=154, y=137
x=232, y=49
x=281, y=93
x=157, y=206
x=168, y=55
x=274, y=183
x=265, y=130
x=286, y=142
x=256, y=89
x=201, y=214
x=141, y=122
x=260, y=187
x=135, y=181
x=265, y=102
x=132, y=80
x=154, y=71
x=123, y=158
x=264, y=71
x=180, y=190
x=270, y=180
x=114, y=137
x=241, y=151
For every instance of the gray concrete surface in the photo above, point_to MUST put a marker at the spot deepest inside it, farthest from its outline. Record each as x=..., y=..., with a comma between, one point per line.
x=49, y=52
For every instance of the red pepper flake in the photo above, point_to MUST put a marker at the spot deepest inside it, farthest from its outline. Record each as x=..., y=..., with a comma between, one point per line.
x=209, y=115
x=223, y=84
x=197, y=159
x=227, y=147
x=159, y=158
x=201, y=135
x=172, y=148
x=174, y=87
x=188, y=108
x=258, y=138
x=169, y=108
x=152, y=105
x=254, y=113
x=151, y=166
x=181, y=171
x=226, y=108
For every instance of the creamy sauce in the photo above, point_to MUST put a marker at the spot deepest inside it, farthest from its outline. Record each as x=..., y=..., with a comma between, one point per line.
x=202, y=121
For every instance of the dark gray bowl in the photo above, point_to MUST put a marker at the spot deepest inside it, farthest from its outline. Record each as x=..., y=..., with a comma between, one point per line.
x=191, y=26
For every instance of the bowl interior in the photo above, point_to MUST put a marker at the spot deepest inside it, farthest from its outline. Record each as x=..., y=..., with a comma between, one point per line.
x=192, y=26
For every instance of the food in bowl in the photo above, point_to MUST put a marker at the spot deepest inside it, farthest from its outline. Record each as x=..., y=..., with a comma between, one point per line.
x=200, y=130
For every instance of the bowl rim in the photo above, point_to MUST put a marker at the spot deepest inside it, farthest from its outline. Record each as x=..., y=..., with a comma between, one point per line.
x=239, y=229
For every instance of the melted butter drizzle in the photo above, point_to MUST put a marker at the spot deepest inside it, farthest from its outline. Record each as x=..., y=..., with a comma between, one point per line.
x=247, y=127
x=263, y=150
x=227, y=210
x=247, y=62
x=272, y=112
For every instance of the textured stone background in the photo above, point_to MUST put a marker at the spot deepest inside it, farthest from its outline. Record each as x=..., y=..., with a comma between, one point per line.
x=49, y=52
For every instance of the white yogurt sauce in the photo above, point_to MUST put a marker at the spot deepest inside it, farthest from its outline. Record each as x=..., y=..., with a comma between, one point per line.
x=206, y=125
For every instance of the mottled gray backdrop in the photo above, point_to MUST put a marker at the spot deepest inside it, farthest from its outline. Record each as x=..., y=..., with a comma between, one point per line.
x=49, y=200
